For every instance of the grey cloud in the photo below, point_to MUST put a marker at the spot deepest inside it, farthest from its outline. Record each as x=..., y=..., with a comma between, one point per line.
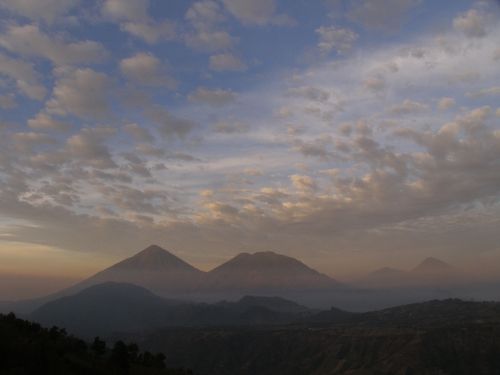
x=226, y=62
x=89, y=147
x=207, y=35
x=43, y=121
x=133, y=17
x=381, y=14
x=472, y=23
x=257, y=12
x=48, y=10
x=213, y=97
x=24, y=76
x=146, y=69
x=82, y=92
x=29, y=40
x=140, y=134
x=169, y=125
x=336, y=39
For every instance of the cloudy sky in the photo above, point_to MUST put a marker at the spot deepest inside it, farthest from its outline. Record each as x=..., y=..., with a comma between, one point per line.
x=349, y=134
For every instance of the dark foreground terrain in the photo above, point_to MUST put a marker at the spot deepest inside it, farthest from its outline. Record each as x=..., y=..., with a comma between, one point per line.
x=469, y=349
x=435, y=338
x=26, y=348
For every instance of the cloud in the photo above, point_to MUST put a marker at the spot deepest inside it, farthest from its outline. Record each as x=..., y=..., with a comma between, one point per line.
x=7, y=102
x=89, y=147
x=332, y=38
x=446, y=103
x=408, y=107
x=151, y=32
x=207, y=35
x=259, y=12
x=472, y=23
x=133, y=18
x=168, y=125
x=139, y=133
x=491, y=91
x=213, y=97
x=29, y=40
x=128, y=10
x=226, y=127
x=226, y=62
x=24, y=76
x=43, y=121
x=146, y=69
x=381, y=14
x=48, y=10
x=81, y=92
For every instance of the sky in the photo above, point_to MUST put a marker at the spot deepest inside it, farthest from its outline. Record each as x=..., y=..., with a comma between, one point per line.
x=349, y=134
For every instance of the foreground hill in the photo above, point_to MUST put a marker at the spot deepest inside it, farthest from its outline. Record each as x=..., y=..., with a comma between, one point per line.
x=449, y=337
x=27, y=348
x=119, y=307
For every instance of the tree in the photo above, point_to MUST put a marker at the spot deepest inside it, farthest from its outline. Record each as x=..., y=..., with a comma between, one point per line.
x=98, y=347
x=120, y=357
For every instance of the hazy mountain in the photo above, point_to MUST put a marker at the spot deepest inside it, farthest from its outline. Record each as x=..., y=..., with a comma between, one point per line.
x=153, y=268
x=266, y=271
x=432, y=265
x=431, y=272
x=118, y=307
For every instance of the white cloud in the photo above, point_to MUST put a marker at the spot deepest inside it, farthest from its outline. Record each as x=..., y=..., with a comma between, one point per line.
x=29, y=40
x=81, y=92
x=146, y=69
x=336, y=39
x=226, y=61
x=47, y=10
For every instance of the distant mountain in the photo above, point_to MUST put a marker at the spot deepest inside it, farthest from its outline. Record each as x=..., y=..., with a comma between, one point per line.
x=432, y=265
x=266, y=271
x=153, y=268
x=118, y=307
x=431, y=272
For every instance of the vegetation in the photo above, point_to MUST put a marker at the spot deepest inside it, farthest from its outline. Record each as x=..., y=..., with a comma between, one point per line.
x=28, y=348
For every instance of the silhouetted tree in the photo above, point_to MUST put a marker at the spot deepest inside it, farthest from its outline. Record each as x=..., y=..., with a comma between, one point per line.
x=120, y=357
x=98, y=347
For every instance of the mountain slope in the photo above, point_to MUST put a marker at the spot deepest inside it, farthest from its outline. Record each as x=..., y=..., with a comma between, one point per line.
x=266, y=270
x=153, y=268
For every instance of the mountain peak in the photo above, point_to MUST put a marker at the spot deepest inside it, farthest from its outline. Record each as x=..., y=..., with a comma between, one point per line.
x=432, y=264
x=154, y=258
